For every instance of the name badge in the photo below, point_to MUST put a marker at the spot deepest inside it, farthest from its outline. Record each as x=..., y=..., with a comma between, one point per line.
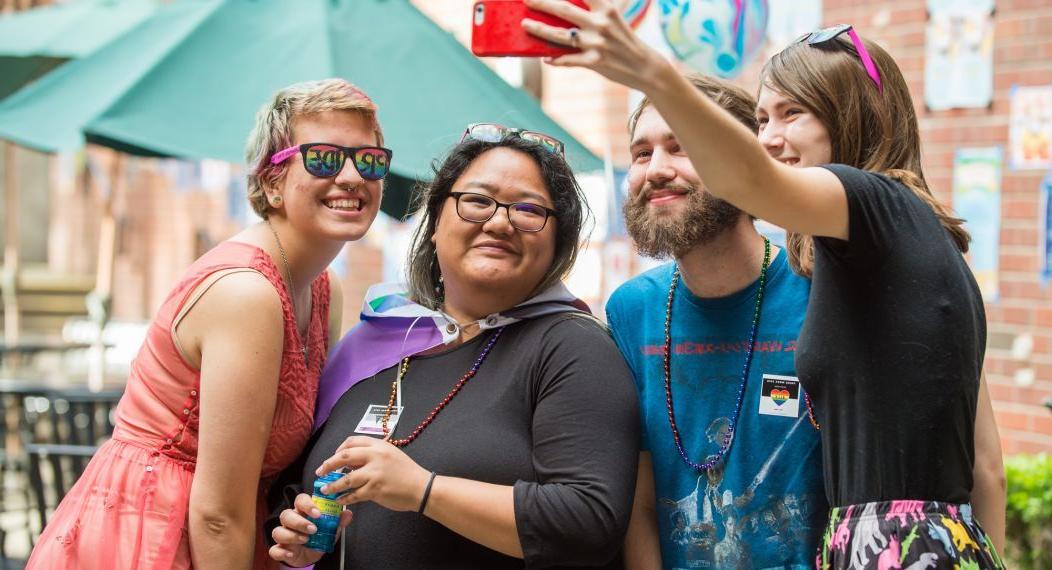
x=780, y=396
x=373, y=421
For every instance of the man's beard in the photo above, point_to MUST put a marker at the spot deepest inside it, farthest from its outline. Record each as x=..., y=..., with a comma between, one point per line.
x=660, y=236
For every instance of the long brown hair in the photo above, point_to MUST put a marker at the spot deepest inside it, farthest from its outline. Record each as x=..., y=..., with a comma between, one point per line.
x=868, y=128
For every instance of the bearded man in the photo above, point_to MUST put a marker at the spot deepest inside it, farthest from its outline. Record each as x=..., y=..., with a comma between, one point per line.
x=710, y=337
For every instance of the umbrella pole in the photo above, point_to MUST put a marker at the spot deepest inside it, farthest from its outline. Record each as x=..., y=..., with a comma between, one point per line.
x=100, y=301
x=9, y=286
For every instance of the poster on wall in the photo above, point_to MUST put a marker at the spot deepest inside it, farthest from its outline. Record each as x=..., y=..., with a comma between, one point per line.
x=977, y=199
x=1046, y=230
x=1030, y=127
x=958, y=70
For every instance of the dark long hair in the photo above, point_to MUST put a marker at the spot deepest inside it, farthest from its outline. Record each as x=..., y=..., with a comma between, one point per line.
x=568, y=200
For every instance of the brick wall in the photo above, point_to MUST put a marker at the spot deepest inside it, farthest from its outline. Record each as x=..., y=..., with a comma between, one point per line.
x=1024, y=57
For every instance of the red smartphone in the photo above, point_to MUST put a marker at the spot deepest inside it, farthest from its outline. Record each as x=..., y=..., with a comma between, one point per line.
x=497, y=30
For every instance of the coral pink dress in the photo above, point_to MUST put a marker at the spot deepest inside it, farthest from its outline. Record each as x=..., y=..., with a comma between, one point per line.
x=129, y=508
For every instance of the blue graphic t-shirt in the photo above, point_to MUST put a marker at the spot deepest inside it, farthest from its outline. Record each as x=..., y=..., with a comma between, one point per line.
x=764, y=505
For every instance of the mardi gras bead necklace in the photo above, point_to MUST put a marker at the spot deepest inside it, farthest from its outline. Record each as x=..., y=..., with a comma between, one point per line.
x=404, y=367
x=810, y=410
x=728, y=437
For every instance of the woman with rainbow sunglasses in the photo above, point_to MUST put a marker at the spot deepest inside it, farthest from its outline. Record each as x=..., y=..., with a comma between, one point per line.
x=221, y=396
x=891, y=352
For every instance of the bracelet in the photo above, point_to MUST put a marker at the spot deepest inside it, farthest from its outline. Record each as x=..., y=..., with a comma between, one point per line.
x=427, y=493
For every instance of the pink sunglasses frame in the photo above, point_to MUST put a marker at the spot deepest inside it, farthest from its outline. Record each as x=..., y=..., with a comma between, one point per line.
x=863, y=54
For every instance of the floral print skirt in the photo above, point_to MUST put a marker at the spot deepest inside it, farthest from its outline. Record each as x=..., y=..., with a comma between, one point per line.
x=906, y=535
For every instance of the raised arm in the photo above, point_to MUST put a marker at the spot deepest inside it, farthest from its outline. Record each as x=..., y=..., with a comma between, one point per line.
x=732, y=163
x=237, y=326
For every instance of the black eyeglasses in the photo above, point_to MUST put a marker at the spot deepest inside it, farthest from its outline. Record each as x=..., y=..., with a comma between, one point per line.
x=479, y=208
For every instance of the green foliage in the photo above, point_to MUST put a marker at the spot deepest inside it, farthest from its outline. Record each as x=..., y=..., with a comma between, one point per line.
x=1029, y=517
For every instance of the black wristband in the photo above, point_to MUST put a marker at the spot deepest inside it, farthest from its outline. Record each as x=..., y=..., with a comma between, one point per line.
x=427, y=493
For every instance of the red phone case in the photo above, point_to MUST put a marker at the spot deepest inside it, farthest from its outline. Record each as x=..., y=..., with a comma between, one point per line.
x=497, y=30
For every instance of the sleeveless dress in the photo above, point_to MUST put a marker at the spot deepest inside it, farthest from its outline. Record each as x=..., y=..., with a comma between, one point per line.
x=129, y=508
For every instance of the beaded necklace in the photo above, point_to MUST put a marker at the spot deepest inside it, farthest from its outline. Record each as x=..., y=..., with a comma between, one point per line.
x=728, y=438
x=810, y=410
x=441, y=405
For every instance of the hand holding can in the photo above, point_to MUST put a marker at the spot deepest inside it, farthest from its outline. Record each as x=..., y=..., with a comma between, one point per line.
x=328, y=520
x=297, y=527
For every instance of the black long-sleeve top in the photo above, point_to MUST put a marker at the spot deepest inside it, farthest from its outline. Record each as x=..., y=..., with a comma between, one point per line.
x=552, y=412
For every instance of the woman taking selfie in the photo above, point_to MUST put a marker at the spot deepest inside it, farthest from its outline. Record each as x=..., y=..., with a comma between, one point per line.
x=891, y=353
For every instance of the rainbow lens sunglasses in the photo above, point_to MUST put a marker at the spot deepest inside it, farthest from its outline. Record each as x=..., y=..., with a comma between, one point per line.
x=326, y=160
x=494, y=133
x=826, y=35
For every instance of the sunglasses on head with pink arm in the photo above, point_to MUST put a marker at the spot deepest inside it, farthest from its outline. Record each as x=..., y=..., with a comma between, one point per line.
x=826, y=35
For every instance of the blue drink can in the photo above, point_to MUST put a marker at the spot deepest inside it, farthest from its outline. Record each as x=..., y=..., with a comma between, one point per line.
x=329, y=521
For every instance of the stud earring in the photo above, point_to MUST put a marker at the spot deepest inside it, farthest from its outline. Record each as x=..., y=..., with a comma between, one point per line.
x=275, y=200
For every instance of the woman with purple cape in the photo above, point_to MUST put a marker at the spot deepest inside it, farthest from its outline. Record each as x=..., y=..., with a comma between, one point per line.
x=485, y=418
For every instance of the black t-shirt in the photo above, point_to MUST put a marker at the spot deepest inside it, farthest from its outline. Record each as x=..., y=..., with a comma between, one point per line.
x=892, y=349
x=552, y=411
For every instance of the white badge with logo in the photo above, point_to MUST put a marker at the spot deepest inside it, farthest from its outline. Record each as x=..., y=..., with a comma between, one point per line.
x=373, y=421
x=780, y=396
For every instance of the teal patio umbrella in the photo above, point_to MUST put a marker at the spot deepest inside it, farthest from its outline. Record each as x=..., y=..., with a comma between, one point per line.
x=33, y=42
x=188, y=80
